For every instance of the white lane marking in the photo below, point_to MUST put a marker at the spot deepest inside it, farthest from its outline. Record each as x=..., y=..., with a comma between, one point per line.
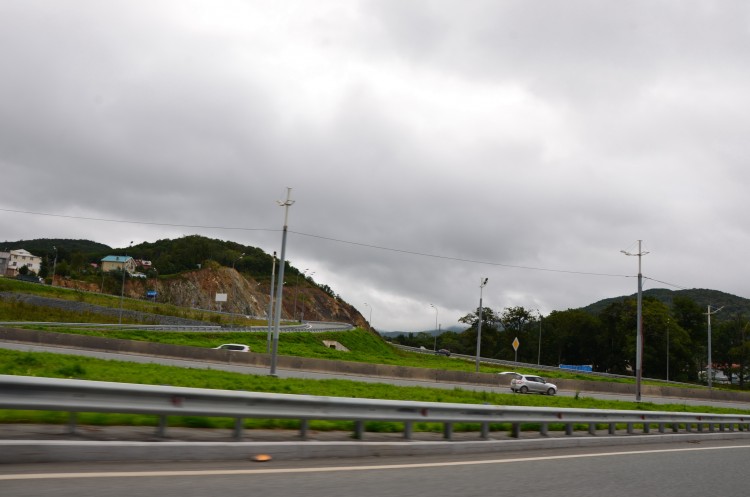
x=332, y=469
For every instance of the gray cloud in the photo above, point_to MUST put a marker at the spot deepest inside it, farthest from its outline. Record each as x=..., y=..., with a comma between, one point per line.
x=428, y=144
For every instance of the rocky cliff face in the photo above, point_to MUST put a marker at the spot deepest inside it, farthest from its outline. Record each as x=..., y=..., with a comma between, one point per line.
x=244, y=295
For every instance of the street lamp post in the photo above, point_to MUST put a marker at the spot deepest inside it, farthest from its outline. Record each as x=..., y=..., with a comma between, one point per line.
x=369, y=321
x=482, y=283
x=296, y=290
x=434, y=347
x=639, y=325
x=539, y=353
x=709, y=366
x=237, y=259
x=122, y=289
x=280, y=284
x=54, y=265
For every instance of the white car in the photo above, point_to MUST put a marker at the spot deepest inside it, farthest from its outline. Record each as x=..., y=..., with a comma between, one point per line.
x=525, y=383
x=236, y=347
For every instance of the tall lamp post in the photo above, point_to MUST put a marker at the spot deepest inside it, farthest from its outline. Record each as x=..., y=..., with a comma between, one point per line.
x=369, y=321
x=482, y=283
x=122, y=289
x=296, y=290
x=639, y=325
x=434, y=347
x=237, y=259
x=539, y=353
x=280, y=284
x=709, y=367
x=54, y=265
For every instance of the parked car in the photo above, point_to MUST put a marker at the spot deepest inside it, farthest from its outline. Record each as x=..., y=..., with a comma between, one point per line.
x=525, y=383
x=445, y=352
x=236, y=347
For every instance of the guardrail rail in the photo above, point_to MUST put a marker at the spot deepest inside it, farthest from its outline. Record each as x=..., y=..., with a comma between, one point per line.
x=77, y=396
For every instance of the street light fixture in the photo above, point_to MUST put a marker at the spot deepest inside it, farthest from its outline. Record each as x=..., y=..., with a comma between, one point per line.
x=482, y=283
x=434, y=347
x=369, y=321
x=54, y=265
x=296, y=289
x=539, y=354
x=122, y=290
x=639, y=325
x=709, y=367
x=237, y=259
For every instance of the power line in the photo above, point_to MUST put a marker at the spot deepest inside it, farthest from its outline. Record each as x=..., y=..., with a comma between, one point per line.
x=358, y=244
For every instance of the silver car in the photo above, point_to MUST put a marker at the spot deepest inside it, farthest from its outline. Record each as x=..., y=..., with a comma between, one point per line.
x=525, y=383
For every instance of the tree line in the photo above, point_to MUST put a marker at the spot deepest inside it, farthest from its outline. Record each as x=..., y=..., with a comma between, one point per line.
x=675, y=338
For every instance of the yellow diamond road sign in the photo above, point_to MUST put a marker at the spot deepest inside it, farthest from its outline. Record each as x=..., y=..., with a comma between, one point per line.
x=516, y=343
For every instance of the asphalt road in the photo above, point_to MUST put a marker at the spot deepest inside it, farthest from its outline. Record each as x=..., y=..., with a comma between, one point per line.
x=282, y=373
x=701, y=469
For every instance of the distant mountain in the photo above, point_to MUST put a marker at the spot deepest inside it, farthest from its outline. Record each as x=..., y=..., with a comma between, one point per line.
x=732, y=304
x=455, y=329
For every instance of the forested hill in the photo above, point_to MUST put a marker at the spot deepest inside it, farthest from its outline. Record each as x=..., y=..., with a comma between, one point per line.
x=731, y=305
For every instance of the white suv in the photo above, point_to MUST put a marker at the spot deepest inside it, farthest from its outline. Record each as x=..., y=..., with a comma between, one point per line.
x=525, y=383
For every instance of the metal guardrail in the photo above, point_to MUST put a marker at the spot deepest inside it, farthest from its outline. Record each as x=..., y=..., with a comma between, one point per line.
x=74, y=396
x=311, y=326
x=155, y=327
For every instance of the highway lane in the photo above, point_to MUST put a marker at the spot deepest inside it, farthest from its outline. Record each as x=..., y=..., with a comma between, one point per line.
x=711, y=468
x=286, y=373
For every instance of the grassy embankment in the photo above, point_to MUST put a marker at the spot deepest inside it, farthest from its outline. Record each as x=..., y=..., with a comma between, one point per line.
x=363, y=346
x=68, y=366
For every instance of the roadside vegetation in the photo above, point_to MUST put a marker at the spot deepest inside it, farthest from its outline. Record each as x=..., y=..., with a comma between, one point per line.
x=69, y=366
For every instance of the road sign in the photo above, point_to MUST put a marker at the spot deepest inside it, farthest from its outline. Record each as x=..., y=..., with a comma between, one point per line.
x=516, y=343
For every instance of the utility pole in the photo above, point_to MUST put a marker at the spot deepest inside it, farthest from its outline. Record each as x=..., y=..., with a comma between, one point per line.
x=709, y=367
x=482, y=283
x=639, y=325
x=539, y=353
x=436, y=327
x=280, y=284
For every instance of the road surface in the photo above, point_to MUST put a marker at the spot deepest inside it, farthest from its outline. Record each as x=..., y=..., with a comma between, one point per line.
x=702, y=469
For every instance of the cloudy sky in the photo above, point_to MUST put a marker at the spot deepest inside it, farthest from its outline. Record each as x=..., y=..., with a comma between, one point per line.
x=428, y=144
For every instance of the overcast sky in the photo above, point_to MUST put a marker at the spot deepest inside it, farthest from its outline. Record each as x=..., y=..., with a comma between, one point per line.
x=428, y=144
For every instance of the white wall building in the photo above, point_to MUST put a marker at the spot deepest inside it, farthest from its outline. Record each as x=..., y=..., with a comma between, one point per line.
x=20, y=258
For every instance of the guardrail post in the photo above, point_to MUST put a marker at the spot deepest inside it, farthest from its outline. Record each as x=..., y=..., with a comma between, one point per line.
x=612, y=428
x=646, y=427
x=515, y=430
x=688, y=427
x=661, y=427
x=161, y=430
x=238, y=426
x=592, y=428
x=485, y=431
x=699, y=426
x=359, y=429
x=630, y=428
x=304, y=424
x=675, y=427
x=544, y=429
x=72, y=422
x=722, y=426
x=408, y=428
x=569, y=429
x=448, y=431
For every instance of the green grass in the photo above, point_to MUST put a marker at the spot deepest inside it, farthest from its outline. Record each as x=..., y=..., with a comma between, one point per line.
x=43, y=313
x=69, y=366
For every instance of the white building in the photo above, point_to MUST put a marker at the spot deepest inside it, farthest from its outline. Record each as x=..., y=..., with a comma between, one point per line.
x=20, y=258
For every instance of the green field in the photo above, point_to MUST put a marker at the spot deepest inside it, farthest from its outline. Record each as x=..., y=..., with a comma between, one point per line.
x=364, y=346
